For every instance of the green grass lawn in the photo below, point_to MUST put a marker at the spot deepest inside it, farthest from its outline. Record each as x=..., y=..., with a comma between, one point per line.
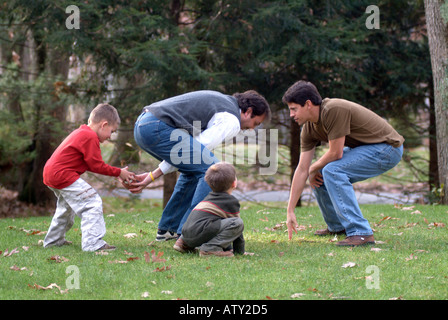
x=410, y=260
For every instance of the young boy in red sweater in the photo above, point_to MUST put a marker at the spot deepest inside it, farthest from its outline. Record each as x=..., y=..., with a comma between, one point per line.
x=78, y=153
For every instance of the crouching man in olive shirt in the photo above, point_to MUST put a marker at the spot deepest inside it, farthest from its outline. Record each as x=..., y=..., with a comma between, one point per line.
x=361, y=145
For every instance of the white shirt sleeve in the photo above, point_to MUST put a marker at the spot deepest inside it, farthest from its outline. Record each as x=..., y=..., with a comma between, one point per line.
x=221, y=127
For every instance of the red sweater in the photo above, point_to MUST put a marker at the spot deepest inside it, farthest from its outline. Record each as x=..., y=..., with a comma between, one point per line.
x=78, y=153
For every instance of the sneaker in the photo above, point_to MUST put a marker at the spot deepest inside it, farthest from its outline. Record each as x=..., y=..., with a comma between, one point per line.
x=228, y=254
x=326, y=232
x=107, y=247
x=65, y=243
x=182, y=247
x=354, y=241
x=163, y=235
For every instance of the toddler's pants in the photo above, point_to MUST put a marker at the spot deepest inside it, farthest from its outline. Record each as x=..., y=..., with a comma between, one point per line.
x=77, y=199
x=231, y=228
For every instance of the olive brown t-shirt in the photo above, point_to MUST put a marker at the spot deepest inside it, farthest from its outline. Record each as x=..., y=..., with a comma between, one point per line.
x=359, y=125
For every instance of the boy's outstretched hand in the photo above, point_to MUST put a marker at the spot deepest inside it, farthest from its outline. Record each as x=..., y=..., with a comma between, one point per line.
x=141, y=181
x=126, y=176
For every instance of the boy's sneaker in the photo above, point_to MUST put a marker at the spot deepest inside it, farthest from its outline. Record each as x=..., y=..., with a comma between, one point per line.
x=163, y=235
x=65, y=243
x=107, y=247
x=182, y=247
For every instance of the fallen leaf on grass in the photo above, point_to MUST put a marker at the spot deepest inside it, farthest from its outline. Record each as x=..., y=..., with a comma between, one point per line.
x=434, y=224
x=400, y=206
x=384, y=219
x=34, y=232
x=411, y=257
x=130, y=235
x=51, y=286
x=297, y=295
x=8, y=253
x=397, y=298
x=349, y=265
x=132, y=258
x=162, y=269
x=16, y=268
x=101, y=253
x=167, y=292
x=147, y=257
x=58, y=259
x=118, y=261
x=153, y=257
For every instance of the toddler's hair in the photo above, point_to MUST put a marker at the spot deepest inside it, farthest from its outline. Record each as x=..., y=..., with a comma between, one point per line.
x=220, y=176
x=104, y=111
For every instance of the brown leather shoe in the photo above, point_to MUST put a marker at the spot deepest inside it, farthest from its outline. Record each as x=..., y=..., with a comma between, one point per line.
x=216, y=253
x=354, y=241
x=326, y=232
x=182, y=247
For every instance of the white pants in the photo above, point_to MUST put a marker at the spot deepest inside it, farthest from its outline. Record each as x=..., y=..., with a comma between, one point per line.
x=81, y=199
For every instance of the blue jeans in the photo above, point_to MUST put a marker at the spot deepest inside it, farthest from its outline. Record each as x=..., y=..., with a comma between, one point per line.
x=336, y=197
x=180, y=149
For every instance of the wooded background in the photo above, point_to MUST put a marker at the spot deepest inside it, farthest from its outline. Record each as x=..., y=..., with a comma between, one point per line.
x=132, y=53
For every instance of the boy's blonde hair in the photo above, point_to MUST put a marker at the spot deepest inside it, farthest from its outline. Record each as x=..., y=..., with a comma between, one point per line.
x=220, y=176
x=104, y=111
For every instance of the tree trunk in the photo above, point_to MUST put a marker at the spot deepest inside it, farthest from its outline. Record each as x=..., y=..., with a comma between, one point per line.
x=169, y=180
x=46, y=138
x=433, y=181
x=438, y=46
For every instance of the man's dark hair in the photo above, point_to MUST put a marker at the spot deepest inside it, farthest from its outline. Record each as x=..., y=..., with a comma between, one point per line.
x=300, y=92
x=252, y=99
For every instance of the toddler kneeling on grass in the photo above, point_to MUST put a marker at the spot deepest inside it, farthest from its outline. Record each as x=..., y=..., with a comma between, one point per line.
x=215, y=225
